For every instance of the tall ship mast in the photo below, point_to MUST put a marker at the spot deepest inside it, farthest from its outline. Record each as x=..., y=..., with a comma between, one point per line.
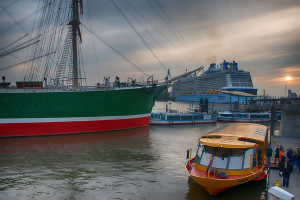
x=209, y=85
x=51, y=99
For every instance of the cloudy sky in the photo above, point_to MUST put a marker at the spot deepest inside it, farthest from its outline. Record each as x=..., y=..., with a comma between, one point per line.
x=263, y=36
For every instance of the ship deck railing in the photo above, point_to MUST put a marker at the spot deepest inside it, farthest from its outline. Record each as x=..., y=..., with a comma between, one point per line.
x=65, y=89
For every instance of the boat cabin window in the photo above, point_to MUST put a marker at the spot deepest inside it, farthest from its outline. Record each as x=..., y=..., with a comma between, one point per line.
x=247, y=140
x=198, y=117
x=173, y=117
x=248, y=157
x=214, y=137
x=236, y=159
x=199, y=153
x=243, y=115
x=206, y=155
x=225, y=158
x=158, y=116
x=220, y=158
x=260, y=116
x=187, y=117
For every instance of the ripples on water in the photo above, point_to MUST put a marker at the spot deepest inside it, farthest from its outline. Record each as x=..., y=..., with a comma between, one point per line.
x=145, y=163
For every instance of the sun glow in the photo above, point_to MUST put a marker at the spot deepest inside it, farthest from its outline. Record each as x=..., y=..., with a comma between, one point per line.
x=288, y=78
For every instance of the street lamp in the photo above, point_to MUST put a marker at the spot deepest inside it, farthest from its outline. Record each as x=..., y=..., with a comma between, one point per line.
x=287, y=78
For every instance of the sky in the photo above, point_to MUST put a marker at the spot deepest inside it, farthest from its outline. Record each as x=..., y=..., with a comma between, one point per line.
x=263, y=36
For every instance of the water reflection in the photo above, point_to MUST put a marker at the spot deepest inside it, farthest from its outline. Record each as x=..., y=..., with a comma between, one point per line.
x=145, y=163
x=68, y=142
x=75, y=166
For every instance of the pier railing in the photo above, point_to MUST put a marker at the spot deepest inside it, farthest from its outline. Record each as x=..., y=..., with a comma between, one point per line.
x=267, y=103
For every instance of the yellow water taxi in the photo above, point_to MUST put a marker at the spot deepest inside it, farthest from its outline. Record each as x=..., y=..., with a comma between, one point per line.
x=229, y=156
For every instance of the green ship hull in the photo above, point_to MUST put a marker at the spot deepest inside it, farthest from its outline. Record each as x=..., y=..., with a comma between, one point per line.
x=47, y=113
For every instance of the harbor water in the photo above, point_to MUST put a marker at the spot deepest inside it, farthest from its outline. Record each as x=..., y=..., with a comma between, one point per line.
x=144, y=163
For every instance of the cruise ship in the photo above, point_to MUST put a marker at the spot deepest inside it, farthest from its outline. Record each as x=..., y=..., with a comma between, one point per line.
x=209, y=85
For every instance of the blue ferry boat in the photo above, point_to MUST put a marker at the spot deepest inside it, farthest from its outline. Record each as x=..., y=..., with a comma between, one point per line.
x=181, y=118
x=209, y=85
x=228, y=116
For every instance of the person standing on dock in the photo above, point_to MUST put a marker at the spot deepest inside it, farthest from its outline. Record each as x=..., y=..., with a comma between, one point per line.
x=286, y=172
x=289, y=153
x=281, y=152
x=294, y=161
x=269, y=154
x=298, y=160
x=276, y=153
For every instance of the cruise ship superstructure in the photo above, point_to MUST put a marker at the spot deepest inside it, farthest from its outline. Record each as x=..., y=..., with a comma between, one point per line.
x=223, y=77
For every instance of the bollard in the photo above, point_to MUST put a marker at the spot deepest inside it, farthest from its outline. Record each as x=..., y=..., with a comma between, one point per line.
x=277, y=182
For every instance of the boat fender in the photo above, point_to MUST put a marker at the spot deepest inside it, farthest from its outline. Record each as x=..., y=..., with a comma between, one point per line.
x=222, y=175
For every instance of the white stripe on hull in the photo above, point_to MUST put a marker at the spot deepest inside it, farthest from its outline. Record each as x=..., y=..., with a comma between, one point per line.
x=70, y=119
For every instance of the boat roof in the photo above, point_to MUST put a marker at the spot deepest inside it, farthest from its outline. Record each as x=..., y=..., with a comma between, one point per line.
x=236, y=135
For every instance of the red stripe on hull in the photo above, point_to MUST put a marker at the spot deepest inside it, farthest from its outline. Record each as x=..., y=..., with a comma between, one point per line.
x=56, y=128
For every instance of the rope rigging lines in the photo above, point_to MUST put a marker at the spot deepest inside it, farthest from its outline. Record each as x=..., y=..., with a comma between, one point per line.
x=13, y=19
x=176, y=32
x=138, y=34
x=154, y=28
x=49, y=52
x=94, y=47
x=126, y=3
x=137, y=16
x=114, y=50
x=17, y=23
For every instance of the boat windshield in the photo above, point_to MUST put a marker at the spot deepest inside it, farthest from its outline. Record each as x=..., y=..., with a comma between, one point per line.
x=236, y=159
x=221, y=158
x=243, y=115
x=157, y=116
x=225, y=158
